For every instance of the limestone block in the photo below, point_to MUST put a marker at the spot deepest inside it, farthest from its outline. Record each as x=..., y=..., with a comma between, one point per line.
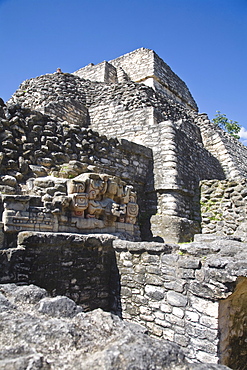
x=202, y=306
x=178, y=312
x=154, y=292
x=173, y=228
x=176, y=299
x=192, y=316
x=8, y=180
x=58, y=307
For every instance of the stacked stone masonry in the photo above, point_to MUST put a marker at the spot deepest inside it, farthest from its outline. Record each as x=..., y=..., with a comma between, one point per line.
x=113, y=148
x=145, y=66
x=186, y=148
x=181, y=293
x=224, y=207
x=230, y=152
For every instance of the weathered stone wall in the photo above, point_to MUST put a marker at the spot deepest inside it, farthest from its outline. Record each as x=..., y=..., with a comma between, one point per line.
x=180, y=160
x=102, y=72
x=233, y=327
x=42, y=332
x=230, y=152
x=138, y=64
x=144, y=65
x=33, y=145
x=174, y=291
x=78, y=266
x=186, y=147
x=166, y=78
x=223, y=206
x=127, y=111
x=60, y=95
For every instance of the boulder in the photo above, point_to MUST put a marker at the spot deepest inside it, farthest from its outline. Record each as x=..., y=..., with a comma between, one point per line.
x=38, y=332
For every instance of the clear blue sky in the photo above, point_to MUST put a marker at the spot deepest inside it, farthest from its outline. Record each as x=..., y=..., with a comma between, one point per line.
x=203, y=41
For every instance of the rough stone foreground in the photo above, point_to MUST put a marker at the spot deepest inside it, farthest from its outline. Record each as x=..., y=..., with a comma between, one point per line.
x=38, y=332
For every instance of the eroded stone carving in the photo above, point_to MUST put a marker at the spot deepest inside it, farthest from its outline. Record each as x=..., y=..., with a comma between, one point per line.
x=91, y=201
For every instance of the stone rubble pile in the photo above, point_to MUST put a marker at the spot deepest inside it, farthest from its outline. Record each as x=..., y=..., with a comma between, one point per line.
x=34, y=145
x=38, y=332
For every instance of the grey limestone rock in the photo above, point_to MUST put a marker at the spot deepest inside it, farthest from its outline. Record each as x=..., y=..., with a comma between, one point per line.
x=30, y=294
x=29, y=339
x=176, y=299
x=58, y=307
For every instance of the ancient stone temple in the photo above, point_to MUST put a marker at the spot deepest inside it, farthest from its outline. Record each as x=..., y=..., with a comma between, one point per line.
x=119, y=150
x=131, y=117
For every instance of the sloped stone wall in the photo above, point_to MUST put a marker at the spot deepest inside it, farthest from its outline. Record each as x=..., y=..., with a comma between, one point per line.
x=32, y=144
x=143, y=64
x=168, y=79
x=51, y=92
x=230, y=152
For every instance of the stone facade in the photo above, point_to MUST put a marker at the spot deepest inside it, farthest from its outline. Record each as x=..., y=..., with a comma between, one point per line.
x=68, y=264
x=186, y=148
x=34, y=145
x=180, y=293
x=142, y=66
x=231, y=154
x=110, y=150
x=87, y=202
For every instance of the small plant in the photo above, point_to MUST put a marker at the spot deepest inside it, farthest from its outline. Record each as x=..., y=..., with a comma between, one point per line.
x=232, y=127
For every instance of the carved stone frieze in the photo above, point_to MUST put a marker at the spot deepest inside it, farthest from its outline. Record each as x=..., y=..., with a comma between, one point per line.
x=92, y=202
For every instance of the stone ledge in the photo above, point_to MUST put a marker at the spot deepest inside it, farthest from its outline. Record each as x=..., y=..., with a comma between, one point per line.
x=140, y=247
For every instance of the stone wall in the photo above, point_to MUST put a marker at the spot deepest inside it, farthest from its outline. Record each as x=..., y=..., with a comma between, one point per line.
x=179, y=163
x=167, y=79
x=180, y=160
x=78, y=266
x=232, y=325
x=145, y=66
x=230, y=152
x=185, y=146
x=138, y=64
x=61, y=95
x=174, y=291
x=102, y=72
x=35, y=145
x=223, y=206
x=32, y=144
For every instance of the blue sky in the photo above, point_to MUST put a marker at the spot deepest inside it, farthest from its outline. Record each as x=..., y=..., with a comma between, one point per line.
x=203, y=41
